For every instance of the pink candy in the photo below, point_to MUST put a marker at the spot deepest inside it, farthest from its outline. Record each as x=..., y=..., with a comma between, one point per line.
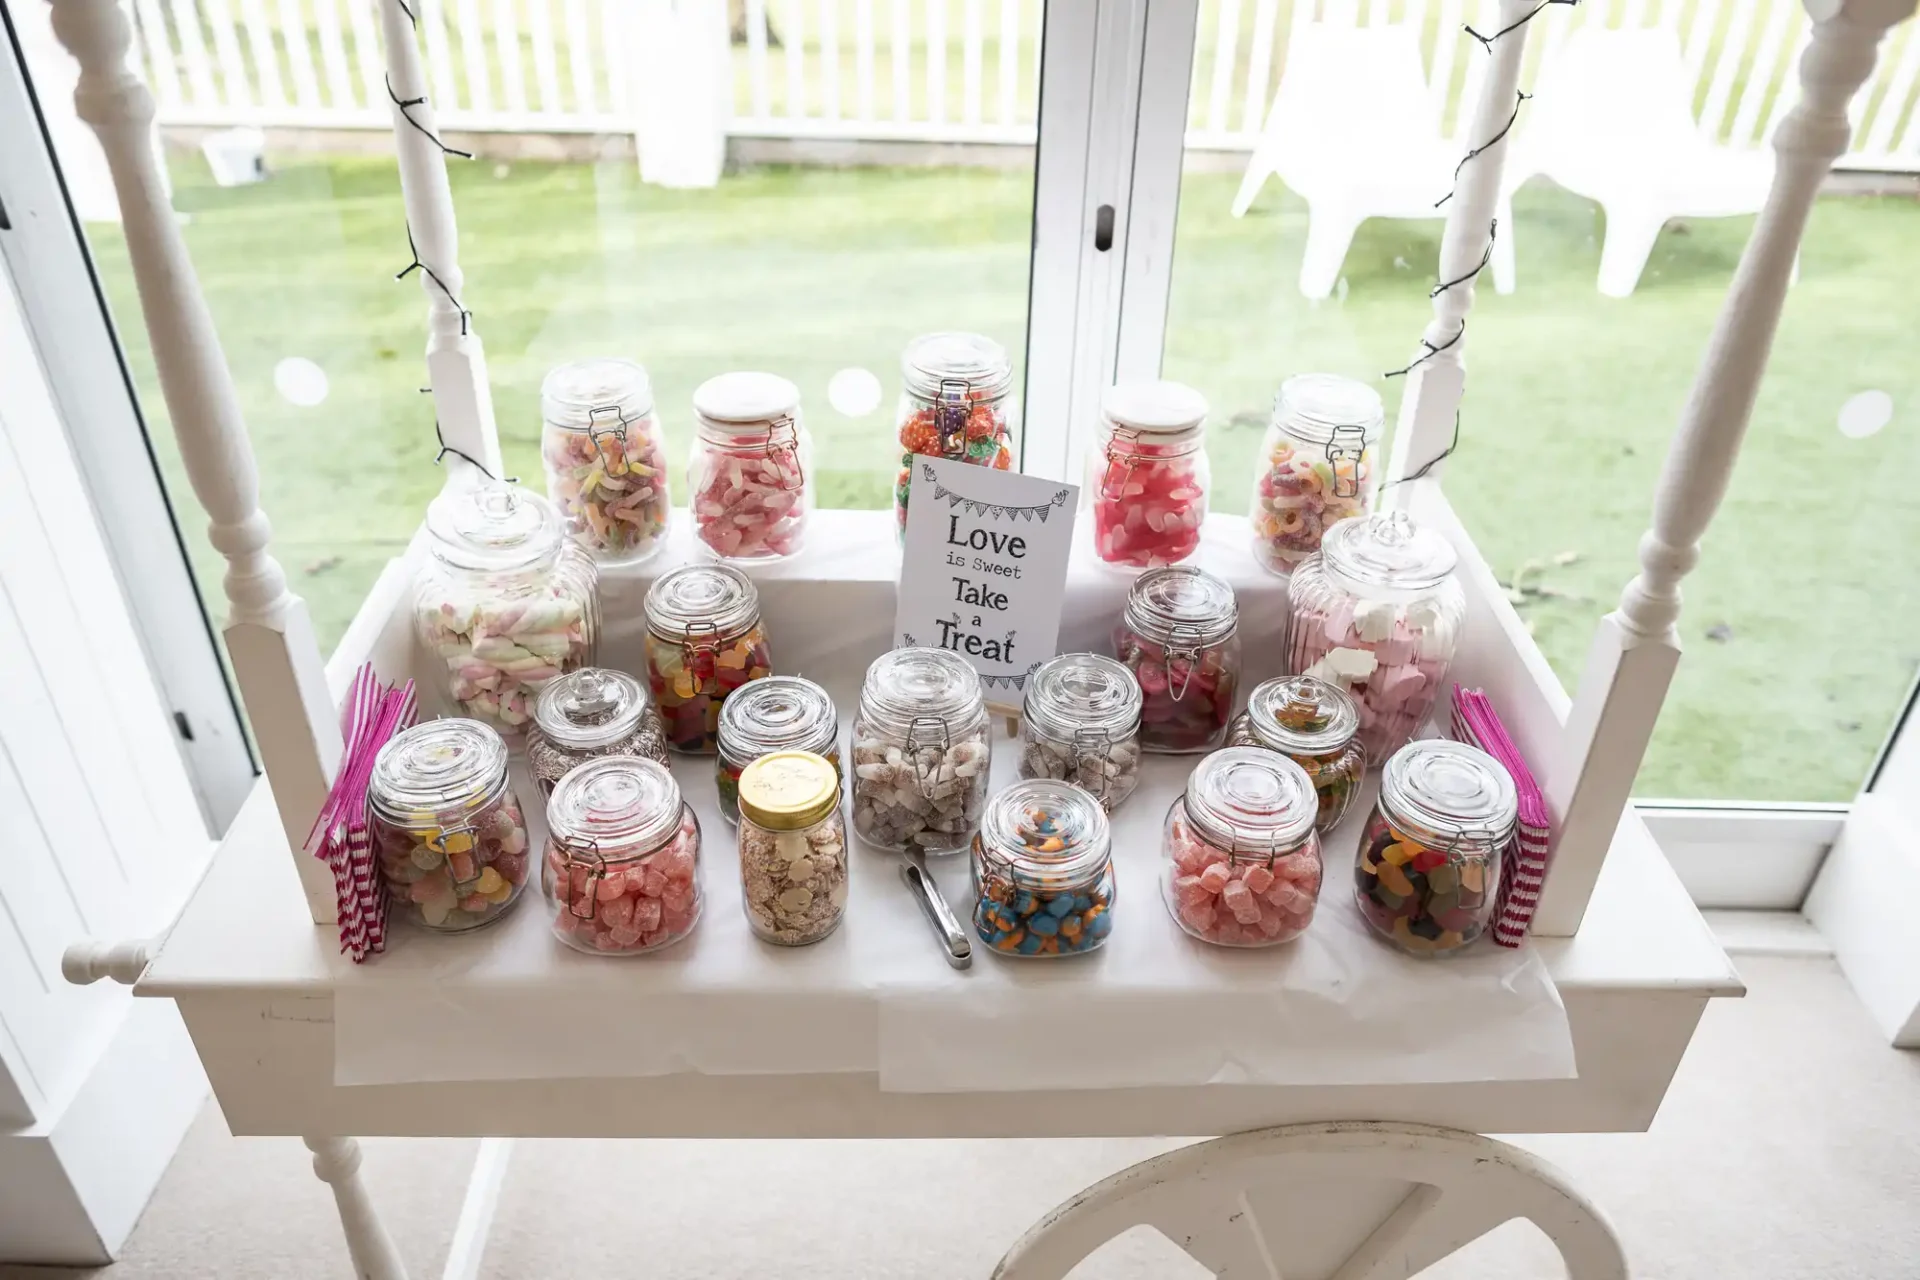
x=749, y=502
x=1394, y=679
x=1239, y=900
x=1149, y=503
x=634, y=905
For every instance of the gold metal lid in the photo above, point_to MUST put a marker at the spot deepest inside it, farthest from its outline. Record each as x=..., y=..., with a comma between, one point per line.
x=788, y=790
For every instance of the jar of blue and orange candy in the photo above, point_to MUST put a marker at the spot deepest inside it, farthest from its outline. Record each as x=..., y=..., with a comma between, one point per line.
x=704, y=640
x=956, y=402
x=1180, y=638
x=1313, y=724
x=1428, y=873
x=1043, y=871
x=779, y=713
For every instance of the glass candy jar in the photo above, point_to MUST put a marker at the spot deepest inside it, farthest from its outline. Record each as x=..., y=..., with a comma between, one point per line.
x=704, y=640
x=750, y=475
x=1148, y=474
x=1377, y=612
x=445, y=825
x=1243, y=860
x=1313, y=724
x=779, y=713
x=1427, y=876
x=588, y=713
x=605, y=458
x=1043, y=871
x=920, y=753
x=955, y=402
x=504, y=603
x=622, y=870
x=793, y=848
x=1316, y=465
x=1179, y=637
x=1080, y=722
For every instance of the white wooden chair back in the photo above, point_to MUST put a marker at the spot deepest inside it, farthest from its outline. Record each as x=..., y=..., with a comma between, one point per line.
x=1612, y=88
x=1348, y=87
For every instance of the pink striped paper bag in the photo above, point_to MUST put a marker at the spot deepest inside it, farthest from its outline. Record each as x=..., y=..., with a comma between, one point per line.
x=1525, y=870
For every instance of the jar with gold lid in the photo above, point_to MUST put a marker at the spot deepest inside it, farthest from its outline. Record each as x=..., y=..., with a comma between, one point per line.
x=793, y=847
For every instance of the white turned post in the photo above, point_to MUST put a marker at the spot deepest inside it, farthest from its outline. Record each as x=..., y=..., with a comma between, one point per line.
x=270, y=639
x=336, y=1162
x=1637, y=646
x=89, y=960
x=456, y=363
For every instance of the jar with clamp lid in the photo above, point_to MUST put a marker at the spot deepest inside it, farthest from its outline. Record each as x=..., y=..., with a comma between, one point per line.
x=1243, y=862
x=751, y=470
x=1427, y=878
x=446, y=827
x=704, y=640
x=622, y=869
x=1043, y=877
x=955, y=403
x=1377, y=612
x=779, y=713
x=1148, y=474
x=920, y=753
x=605, y=458
x=504, y=603
x=589, y=713
x=1316, y=465
x=1313, y=724
x=793, y=848
x=1180, y=638
x=1080, y=722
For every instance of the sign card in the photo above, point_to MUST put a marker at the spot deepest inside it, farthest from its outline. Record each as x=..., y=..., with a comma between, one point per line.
x=984, y=569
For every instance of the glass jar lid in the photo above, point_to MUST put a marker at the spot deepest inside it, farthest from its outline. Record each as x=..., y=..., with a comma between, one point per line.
x=1077, y=693
x=789, y=790
x=614, y=806
x=1181, y=605
x=589, y=393
x=439, y=765
x=1387, y=552
x=702, y=599
x=1448, y=794
x=590, y=708
x=1251, y=801
x=1302, y=715
x=934, y=361
x=777, y=713
x=905, y=686
x=1045, y=834
x=493, y=525
x=1154, y=408
x=744, y=403
x=1318, y=407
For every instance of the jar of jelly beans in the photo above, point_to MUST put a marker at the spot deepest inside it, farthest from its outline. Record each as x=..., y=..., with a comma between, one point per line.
x=1148, y=475
x=589, y=713
x=1242, y=859
x=1043, y=871
x=793, y=848
x=1080, y=722
x=1428, y=873
x=751, y=470
x=1180, y=638
x=920, y=753
x=1315, y=467
x=704, y=640
x=605, y=458
x=622, y=869
x=779, y=713
x=956, y=403
x=1313, y=724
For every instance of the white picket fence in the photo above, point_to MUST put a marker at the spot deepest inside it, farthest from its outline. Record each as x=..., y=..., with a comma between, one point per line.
x=911, y=70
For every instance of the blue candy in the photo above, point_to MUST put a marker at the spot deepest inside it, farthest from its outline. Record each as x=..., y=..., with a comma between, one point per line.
x=1044, y=925
x=1100, y=925
x=1082, y=903
x=1030, y=944
x=1060, y=905
x=1023, y=905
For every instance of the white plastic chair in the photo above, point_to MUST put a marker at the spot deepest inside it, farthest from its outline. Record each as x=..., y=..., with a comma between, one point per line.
x=1354, y=131
x=1349, y=1201
x=1613, y=121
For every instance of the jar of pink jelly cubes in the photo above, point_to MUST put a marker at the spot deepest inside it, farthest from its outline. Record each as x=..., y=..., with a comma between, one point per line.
x=1147, y=476
x=750, y=475
x=1243, y=860
x=1315, y=467
x=605, y=458
x=622, y=868
x=1377, y=612
x=1180, y=638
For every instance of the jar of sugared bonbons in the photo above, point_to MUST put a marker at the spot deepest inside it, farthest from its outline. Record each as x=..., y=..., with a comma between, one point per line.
x=1316, y=465
x=1313, y=724
x=622, y=868
x=1043, y=871
x=704, y=640
x=605, y=458
x=1180, y=638
x=1243, y=862
x=1147, y=477
x=956, y=402
x=750, y=474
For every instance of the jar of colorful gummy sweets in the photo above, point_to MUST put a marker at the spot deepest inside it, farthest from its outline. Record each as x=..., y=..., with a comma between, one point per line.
x=1147, y=476
x=1316, y=465
x=955, y=403
x=1080, y=722
x=751, y=470
x=605, y=458
x=1242, y=859
x=1180, y=638
x=793, y=848
x=704, y=640
x=779, y=713
x=1043, y=871
x=589, y=713
x=622, y=869
x=1313, y=724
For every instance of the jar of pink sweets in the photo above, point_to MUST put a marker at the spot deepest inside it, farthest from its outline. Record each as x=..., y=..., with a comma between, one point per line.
x=1243, y=860
x=605, y=458
x=622, y=869
x=750, y=474
x=1377, y=612
x=1180, y=638
x=956, y=402
x=1316, y=465
x=1147, y=476
x=1313, y=724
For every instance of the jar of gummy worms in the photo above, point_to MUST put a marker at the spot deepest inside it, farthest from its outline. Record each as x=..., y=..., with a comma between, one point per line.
x=1315, y=466
x=504, y=602
x=1427, y=876
x=446, y=827
x=1043, y=877
x=704, y=640
x=779, y=713
x=1243, y=862
x=793, y=848
x=1080, y=722
x=1148, y=475
x=920, y=754
x=750, y=474
x=588, y=713
x=1179, y=636
x=1377, y=611
x=622, y=868
x=955, y=402
x=1313, y=724
x=605, y=458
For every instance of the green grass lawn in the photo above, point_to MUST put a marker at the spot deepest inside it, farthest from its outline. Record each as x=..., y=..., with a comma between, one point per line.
x=1800, y=620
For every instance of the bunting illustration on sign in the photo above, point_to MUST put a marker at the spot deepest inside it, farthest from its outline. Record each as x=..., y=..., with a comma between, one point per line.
x=977, y=506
